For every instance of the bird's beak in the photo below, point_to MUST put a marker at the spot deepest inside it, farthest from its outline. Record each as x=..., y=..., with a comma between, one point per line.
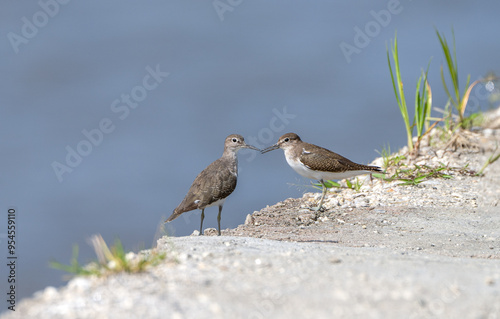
x=252, y=147
x=270, y=148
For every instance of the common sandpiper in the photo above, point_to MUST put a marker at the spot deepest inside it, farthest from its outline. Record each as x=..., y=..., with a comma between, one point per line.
x=215, y=183
x=318, y=163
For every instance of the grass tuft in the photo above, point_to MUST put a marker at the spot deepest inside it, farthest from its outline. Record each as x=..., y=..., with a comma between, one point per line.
x=74, y=267
x=356, y=185
x=399, y=169
x=457, y=99
x=110, y=260
x=492, y=159
x=397, y=85
x=423, y=99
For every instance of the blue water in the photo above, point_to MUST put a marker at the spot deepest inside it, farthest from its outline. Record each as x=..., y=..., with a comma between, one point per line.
x=259, y=69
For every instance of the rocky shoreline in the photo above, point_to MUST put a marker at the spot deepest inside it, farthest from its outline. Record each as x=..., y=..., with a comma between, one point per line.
x=385, y=251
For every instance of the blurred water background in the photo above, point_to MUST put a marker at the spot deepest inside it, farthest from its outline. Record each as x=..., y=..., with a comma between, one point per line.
x=165, y=82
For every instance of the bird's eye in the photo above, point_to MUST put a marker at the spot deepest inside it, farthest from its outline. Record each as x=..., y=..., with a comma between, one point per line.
x=234, y=140
x=287, y=139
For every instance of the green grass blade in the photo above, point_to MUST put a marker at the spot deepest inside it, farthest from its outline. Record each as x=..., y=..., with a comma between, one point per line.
x=392, y=77
x=348, y=183
x=419, y=114
x=397, y=85
x=455, y=64
x=446, y=90
x=428, y=103
x=451, y=69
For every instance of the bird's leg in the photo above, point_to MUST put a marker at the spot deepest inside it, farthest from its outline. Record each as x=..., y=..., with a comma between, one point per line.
x=218, y=217
x=320, y=208
x=202, y=217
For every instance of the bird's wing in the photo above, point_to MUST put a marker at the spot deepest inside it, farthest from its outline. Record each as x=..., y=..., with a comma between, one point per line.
x=325, y=160
x=216, y=186
x=215, y=182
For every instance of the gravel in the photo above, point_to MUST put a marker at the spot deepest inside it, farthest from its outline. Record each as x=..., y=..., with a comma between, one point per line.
x=386, y=251
x=243, y=277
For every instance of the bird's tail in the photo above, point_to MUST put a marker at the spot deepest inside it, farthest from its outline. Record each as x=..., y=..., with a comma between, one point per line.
x=376, y=169
x=371, y=168
x=173, y=216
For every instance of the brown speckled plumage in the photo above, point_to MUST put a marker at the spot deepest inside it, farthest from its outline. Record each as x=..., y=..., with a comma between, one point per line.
x=214, y=183
x=321, y=159
x=316, y=162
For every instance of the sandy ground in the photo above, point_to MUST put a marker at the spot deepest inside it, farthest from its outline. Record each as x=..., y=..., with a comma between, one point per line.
x=387, y=251
x=452, y=232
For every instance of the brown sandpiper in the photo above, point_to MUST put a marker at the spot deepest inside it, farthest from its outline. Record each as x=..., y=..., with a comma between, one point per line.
x=215, y=183
x=318, y=163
